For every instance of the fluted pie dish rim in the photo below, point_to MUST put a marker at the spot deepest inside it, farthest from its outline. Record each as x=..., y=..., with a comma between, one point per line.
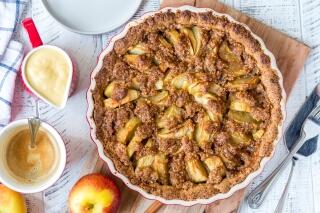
x=110, y=163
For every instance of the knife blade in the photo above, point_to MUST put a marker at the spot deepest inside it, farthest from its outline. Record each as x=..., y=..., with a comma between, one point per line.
x=294, y=129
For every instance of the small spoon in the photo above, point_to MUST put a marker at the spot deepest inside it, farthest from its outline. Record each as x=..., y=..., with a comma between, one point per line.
x=34, y=124
x=279, y=208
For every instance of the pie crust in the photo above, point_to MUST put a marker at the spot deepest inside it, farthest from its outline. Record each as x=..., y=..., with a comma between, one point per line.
x=186, y=104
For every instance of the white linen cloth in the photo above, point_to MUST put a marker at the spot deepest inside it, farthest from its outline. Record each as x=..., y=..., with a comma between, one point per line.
x=11, y=54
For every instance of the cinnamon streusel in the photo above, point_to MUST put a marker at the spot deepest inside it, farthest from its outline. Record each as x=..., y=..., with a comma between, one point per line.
x=187, y=104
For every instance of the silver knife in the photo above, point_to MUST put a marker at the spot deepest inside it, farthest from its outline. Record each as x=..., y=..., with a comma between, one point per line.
x=292, y=135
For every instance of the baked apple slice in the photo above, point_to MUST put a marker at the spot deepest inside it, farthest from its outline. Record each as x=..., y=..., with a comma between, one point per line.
x=204, y=100
x=244, y=83
x=172, y=113
x=258, y=134
x=133, y=145
x=188, y=32
x=140, y=62
x=181, y=40
x=235, y=65
x=181, y=81
x=132, y=59
x=169, y=77
x=198, y=90
x=125, y=134
x=160, y=98
x=195, y=35
x=145, y=161
x=198, y=36
x=237, y=69
x=196, y=87
x=109, y=89
x=138, y=49
x=202, y=136
x=237, y=104
x=150, y=143
x=160, y=165
x=159, y=85
x=164, y=42
x=131, y=96
x=215, y=163
x=240, y=139
x=216, y=89
x=196, y=171
x=189, y=82
x=173, y=36
x=242, y=117
x=135, y=84
x=186, y=129
x=226, y=54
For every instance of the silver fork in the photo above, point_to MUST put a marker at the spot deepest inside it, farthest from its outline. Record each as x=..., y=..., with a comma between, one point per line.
x=284, y=195
x=310, y=129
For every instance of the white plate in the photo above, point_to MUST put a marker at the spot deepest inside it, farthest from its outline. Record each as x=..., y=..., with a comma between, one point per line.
x=91, y=17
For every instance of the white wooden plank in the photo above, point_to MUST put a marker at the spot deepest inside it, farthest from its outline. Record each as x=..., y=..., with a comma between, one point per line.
x=300, y=19
x=310, y=22
x=282, y=15
x=315, y=176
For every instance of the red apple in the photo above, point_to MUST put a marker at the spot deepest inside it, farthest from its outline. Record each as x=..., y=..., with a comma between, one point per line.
x=94, y=193
x=11, y=201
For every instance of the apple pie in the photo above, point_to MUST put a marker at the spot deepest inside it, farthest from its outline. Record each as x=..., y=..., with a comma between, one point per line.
x=187, y=104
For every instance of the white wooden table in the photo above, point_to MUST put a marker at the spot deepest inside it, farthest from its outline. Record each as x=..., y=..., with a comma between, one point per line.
x=298, y=18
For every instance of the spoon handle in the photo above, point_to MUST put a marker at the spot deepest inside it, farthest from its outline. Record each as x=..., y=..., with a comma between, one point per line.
x=34, y=124
x=282, y=200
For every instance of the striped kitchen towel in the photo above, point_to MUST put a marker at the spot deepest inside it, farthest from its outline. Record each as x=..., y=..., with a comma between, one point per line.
x=11, y=54
x=10, y=12
x=9, y=67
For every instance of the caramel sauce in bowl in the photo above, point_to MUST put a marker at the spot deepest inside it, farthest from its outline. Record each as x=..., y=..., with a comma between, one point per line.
x=31, y=164
x=26, y=169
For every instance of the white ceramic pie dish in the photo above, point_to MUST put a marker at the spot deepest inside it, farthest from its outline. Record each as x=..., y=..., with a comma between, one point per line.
x=111, y=165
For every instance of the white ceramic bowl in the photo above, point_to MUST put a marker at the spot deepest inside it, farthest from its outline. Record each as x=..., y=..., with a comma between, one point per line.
x=6, y=134
x=111, y=165
x=71, y=80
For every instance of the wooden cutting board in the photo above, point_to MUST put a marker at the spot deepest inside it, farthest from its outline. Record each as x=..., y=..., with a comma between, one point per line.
x=290, y=55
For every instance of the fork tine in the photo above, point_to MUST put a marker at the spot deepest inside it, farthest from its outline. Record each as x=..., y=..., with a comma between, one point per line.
x=317, y=116
x=316, y=113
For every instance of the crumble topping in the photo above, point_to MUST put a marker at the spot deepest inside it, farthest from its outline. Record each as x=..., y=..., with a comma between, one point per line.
x=187, y=104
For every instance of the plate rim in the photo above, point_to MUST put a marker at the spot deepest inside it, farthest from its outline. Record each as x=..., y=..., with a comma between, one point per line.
x=83, y=32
